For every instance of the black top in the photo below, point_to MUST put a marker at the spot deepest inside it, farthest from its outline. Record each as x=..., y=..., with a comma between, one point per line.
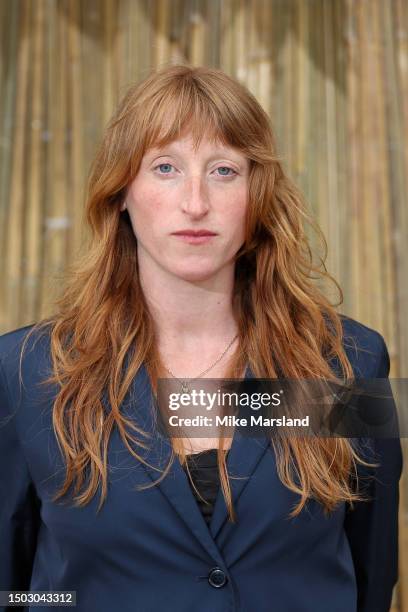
x=204, y=472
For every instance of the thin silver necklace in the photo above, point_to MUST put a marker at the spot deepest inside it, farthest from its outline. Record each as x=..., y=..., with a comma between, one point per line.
x=184, y=386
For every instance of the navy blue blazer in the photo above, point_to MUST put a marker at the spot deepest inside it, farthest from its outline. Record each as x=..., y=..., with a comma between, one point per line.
x=150, y=551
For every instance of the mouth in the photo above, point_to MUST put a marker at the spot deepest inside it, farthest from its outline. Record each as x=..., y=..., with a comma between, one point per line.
x=195, y=237
x=194, y=233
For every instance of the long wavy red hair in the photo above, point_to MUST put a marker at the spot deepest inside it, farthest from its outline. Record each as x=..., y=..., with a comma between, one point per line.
x=286, y=323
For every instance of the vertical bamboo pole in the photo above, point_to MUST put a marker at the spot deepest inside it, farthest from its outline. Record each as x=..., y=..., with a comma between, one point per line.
x=384, y=64
x=285, y=69
x=279, y=35
x=75, y=232
x=34, y=197
x=318, y=120
x=310, y=108
x=141, y=45
x=241, y=41
x=198, y=35
x=353, y=167
x=290, y=87
x=14, y=243
x=161, y=43
x=331, y=204
x=213, y=21
x=226, y=34
x=93, y=53
x=8, y=102
x=264, y=55
x=395, y=22
x=177, y=25
x=303, y=90
x=119, y=51
x=109, y=68
x=397, y=100
x=57, y=219
x=345, y=211
x=370, y=241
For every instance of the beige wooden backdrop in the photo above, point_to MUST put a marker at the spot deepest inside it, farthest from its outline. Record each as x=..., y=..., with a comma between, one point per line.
x=333, y=74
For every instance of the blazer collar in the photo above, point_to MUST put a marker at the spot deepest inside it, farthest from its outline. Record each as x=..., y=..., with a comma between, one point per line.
x=242, y=459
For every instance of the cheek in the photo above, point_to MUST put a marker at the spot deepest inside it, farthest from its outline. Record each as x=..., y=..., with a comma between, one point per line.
x=146, y=210
x=235, y=211
x=143, y=222
x=147, y=196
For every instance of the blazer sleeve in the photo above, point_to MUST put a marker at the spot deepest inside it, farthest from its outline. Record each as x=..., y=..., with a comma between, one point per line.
x=372, y=526
x=19, y=505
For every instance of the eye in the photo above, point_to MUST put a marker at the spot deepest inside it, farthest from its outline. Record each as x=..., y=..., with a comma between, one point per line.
x=222, y=168
x=165, y=166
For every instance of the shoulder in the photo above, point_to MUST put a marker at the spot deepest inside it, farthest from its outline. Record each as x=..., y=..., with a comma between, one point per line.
x=29, y=337
x=365, y=348
x=10, y=341
x=24, y=357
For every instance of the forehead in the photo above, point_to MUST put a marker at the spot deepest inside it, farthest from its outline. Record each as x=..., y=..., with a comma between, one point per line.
x=207, y=144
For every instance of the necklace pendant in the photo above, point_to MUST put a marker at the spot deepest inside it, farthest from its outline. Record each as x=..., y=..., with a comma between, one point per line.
x=184, y=387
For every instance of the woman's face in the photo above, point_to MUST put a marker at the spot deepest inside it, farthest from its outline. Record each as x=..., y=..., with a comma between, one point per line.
x=179, y=189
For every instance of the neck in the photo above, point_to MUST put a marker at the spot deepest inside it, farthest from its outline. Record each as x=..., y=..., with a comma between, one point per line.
x=190, y=315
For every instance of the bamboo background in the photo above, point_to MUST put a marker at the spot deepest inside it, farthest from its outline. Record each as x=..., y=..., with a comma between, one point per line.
x=332, y=74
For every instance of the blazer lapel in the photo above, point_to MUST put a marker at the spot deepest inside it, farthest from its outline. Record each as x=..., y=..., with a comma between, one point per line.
x=243, y=457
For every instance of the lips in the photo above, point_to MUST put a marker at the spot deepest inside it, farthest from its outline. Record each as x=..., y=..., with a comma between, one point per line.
x=195, y=233
x=194, y=237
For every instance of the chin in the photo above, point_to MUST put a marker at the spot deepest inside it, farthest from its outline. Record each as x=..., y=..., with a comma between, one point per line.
x=195, y=275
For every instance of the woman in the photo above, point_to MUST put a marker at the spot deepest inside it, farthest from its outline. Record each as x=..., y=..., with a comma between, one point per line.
x=95, y=498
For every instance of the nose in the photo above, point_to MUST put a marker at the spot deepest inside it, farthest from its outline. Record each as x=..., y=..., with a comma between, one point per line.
x=195, y=201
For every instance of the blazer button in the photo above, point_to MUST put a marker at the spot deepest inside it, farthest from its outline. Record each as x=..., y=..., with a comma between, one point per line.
x=217, y=577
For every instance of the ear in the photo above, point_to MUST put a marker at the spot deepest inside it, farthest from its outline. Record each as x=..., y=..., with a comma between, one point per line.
x=123, y=206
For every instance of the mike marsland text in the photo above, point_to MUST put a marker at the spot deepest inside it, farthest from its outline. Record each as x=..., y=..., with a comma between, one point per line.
x=233, y=421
